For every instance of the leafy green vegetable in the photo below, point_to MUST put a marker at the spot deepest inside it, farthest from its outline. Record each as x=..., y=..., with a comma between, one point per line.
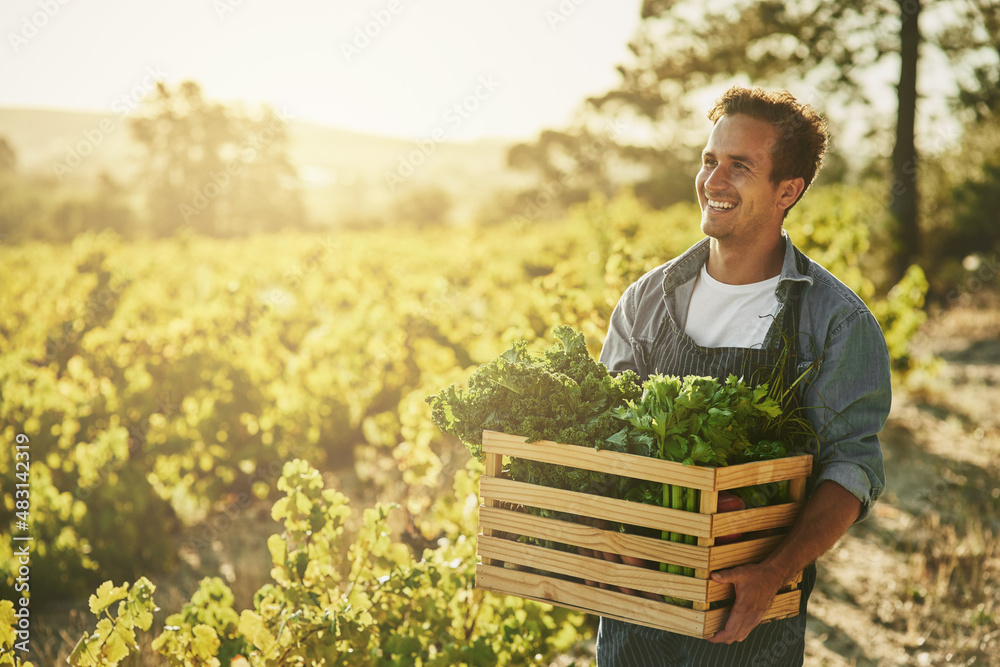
x=696, y=421
x=562, y=395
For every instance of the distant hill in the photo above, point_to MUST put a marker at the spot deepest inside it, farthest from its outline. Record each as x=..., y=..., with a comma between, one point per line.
x=344, y=173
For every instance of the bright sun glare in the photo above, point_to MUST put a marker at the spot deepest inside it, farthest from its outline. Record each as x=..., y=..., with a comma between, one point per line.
x=392, y=67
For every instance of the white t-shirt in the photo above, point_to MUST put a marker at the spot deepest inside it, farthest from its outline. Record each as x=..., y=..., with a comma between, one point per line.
x=722, y=315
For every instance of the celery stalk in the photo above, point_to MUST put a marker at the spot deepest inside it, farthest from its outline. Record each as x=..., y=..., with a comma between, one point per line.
x=665, y=534
x=692, y=501
x=676, y=501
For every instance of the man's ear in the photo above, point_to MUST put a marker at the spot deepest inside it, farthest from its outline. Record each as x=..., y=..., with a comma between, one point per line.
x=789, y=192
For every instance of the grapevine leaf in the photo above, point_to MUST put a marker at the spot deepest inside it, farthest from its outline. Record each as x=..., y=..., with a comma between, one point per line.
x=83, y=652
x=120, y=639
x=205, y=645
x=253, y=628
x=107, y=594
x=278, y=549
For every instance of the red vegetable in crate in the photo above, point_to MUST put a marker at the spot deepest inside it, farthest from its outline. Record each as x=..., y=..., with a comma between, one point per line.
x=729, y=502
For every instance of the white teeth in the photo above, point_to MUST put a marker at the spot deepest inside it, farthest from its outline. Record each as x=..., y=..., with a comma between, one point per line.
x=720, y=204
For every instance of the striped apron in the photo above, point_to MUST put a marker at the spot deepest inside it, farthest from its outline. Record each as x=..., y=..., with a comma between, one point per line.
x=773, y=644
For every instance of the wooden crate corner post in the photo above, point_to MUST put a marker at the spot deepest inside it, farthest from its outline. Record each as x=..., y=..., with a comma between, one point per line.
x=493, y=464
x=709, y=505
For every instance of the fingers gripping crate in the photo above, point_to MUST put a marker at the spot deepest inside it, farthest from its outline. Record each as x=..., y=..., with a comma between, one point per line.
x=592, y=584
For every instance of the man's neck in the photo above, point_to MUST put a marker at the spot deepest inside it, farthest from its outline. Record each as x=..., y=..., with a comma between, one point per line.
x=743, y=265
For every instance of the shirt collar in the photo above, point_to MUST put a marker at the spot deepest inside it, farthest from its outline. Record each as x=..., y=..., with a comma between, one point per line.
x=683, y=269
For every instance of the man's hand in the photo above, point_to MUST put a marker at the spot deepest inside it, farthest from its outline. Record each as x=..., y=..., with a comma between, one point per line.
x=827, y=515
x=756, y=586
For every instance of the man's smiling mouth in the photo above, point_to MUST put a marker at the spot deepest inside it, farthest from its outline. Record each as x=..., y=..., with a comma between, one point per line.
x=721, y=205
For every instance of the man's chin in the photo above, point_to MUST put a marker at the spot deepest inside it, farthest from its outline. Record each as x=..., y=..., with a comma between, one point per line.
x=710, y=227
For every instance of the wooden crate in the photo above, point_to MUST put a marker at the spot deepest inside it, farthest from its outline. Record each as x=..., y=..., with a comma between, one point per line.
x=556, y=577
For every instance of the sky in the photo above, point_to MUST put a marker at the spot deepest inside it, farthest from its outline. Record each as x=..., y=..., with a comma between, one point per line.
x=388, y=67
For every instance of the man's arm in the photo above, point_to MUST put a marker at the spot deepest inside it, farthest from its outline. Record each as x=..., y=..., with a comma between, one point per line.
x=827, y=515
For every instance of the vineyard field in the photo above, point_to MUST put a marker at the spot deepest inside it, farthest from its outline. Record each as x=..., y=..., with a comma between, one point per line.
x=162, y=383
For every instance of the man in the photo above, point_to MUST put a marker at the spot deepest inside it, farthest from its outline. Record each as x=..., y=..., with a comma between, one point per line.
x=729, y=304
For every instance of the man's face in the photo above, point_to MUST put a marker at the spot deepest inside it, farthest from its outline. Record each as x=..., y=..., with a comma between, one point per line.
x=736, y=195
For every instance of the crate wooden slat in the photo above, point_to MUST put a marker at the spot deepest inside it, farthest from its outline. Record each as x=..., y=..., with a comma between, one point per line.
x=637, y=514
x=591, y=537
x=615, y=463
x=615, y=574
x=559, y=576
x=500, y=521
x=613, y=604
x=759, y=518
x=597, y=507
x=653, y=470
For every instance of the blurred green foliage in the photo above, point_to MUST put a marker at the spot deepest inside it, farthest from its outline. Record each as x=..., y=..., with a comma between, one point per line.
x=160, y=381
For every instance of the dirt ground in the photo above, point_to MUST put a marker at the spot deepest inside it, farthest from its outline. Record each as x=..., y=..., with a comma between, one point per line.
x=918, y=583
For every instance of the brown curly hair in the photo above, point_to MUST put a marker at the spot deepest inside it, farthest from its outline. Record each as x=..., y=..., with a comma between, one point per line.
x=802, y=135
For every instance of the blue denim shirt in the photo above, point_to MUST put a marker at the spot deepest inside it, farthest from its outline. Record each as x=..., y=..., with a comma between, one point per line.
x=847, y=394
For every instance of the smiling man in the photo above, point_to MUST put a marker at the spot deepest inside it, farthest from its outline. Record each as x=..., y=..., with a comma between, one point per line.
x=736, y=302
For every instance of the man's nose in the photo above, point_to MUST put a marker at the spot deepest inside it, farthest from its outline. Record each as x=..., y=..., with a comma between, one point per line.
x=716, y=180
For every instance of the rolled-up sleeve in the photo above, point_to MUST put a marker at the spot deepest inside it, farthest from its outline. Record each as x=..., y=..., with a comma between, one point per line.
x=848, y=402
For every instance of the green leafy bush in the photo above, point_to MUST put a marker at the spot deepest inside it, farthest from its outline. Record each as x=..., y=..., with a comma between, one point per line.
x=334, y=601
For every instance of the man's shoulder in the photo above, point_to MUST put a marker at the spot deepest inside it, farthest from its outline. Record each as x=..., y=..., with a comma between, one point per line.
x=831, y=289
x=652, y=280
x=648, y=289
x=830, y=305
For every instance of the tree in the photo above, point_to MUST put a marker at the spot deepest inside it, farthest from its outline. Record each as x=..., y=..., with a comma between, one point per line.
x=8, y=157
x=974, y=41
x=424, y=206
x=822, y=51
x=904, y=203
x=215, y=169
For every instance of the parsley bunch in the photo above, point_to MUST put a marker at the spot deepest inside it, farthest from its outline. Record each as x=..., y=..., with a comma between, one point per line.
x=696, y=420
x=699, y=421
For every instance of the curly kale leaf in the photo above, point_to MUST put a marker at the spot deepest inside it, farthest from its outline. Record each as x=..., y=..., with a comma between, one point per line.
x=562, y=394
